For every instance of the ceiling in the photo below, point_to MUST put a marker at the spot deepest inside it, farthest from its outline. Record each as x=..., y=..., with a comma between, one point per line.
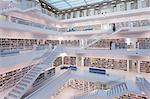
x=69, y=4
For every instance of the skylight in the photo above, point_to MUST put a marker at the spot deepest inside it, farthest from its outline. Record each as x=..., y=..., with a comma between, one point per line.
x=68, y=4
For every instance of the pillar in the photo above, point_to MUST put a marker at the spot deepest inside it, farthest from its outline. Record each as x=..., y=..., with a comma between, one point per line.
x=139, y=5
x=128, y=66
x=82, y=61
x=138, y=68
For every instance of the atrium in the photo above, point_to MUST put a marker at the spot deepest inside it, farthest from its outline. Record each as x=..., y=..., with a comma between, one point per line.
x=74, y=49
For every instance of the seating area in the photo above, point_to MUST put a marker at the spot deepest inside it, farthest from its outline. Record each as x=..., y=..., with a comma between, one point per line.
x=73, y=68
x=97, y=70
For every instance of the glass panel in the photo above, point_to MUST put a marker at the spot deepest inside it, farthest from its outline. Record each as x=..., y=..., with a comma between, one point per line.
x=67, y=4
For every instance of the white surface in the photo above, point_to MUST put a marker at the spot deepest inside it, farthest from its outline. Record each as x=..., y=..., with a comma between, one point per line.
x=18, y=60
x=67, y=93
x=129, y=78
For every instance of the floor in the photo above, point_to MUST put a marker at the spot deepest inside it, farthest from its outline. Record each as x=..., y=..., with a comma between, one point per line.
x=67, y=93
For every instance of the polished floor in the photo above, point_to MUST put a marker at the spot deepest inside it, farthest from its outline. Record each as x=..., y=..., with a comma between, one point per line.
x=68, y=93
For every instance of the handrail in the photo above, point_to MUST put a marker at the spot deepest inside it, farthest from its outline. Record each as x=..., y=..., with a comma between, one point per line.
x=2, y=88
x=28, y=73
x=67, y=73
x=143, y=84
x=29, y=64
x=85, y=94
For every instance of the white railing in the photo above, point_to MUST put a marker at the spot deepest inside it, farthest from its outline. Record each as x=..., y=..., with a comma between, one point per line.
x=11, y=81
x=35, y=61
x=55, y=84
x=143, y=85
x=44, y=66
x=117, y=89
x=87, y=95
x=106, y=36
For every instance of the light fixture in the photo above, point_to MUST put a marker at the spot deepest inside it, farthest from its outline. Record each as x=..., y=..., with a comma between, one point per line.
x=63, y=54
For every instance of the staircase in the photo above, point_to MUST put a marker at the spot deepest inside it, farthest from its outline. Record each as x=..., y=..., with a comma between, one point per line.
x=106, y=36
x=26, y=82
x=117, y=89
x=143, y=85
x=87, y=95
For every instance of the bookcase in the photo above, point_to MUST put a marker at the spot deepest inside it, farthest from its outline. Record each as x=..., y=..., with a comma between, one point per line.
x=86, y=85
x=132, y=96
x=145, y=66
x=57, y=62
x=106, y=63
x=69, y=60
x=71, y=43
x=9, y=44
x=144, y=43
x=52, y=42
x=13, y=76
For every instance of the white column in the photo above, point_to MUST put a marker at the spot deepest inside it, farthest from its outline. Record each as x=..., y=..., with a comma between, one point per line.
x=92, y=11
x=62, y=60
x=82, y=61
x=82, y=43
x=71, y=15
x=138, y=68
x=139, y=4
x=128, y=5
x=66, y=15
x=78, y=14
x=85, y=12
x=118, y=7
x=9, y=18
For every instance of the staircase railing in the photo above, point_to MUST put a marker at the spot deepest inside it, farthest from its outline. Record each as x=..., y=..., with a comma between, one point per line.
x=43, y=66
x=35, y=61
x=87, y=95
x=106, y=36
x=143, y=85
x=117, y=88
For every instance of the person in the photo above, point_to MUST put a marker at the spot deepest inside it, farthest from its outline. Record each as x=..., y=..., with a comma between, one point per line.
x=114, y=27
x=110, y=44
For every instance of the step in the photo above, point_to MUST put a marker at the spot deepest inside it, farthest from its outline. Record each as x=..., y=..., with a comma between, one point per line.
x=6, y=98
x=13, y=95
x=25, y=80
x=36, y=70
x=29, y=78
x=10, y=97
x=20, y=87
x=22, y=84
x=33, y=72
x=17, y=91
x=30, y=75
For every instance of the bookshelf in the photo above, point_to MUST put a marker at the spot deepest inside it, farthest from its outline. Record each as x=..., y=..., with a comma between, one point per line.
x=145, y=66
x=86, y=85
x=71, y=43
x=57, y=62
x=132, y=96
x=106, y=63
x=144, y=43
x=69, y=60
x=13, y=76
x=10, y=78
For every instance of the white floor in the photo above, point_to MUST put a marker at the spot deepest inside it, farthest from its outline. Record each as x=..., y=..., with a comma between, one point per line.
x=67, y=93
